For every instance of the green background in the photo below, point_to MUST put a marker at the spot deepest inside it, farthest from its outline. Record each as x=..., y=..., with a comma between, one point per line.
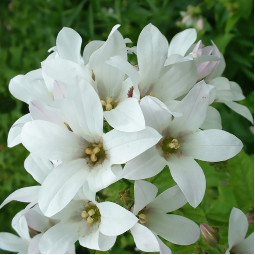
x=29, y=28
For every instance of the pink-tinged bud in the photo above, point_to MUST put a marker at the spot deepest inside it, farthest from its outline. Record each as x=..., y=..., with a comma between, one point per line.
x=250, y=217
x=200, y=24
x=210, y=235
x=252, y=129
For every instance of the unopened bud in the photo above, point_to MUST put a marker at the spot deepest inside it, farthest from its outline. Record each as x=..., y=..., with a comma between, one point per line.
x=210, y=235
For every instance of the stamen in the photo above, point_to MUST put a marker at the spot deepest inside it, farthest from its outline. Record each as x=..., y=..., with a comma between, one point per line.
x=91, y=212
x=174, y=144
x=143, y=218
x=93, y=158
x=88, y=151
x=84, y=214
x=108, y=107
x=90, y=220
x=103, y=103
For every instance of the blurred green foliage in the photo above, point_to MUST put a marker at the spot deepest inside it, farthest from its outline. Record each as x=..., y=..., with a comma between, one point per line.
x=29, y=28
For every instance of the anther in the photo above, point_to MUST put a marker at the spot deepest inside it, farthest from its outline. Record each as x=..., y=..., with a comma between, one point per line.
x=96, y=150
x=174, y=144
x=88, y=151
x=84, y=214
x=143, y=218
x=91, y=212
x=109, y=100
x=108, y=107
x=90, y=220
x=93, y=158
x=103, y=103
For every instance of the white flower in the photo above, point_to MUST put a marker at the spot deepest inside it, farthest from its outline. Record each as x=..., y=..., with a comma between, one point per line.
x=153, y=77
x=88, y=155
x=120, y=110
x=154, y=220
x=238, y=227
x=23, y=223
x=94, y=224
x=182, y=142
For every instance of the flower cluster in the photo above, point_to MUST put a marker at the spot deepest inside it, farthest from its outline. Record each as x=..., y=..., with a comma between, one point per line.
x=96, y=118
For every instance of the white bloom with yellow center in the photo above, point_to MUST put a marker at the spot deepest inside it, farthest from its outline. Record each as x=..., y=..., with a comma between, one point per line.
x=154, y=220
x=182, y=142
x=94, y=224
x=88, y=155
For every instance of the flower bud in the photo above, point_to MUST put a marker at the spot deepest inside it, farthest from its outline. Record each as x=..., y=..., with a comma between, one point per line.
x=210, y=235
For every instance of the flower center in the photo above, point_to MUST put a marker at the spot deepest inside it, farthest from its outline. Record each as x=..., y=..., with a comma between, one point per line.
x=95, y=153
x=91, y=213
x=143, y=216
x=170, y=145
x=109, y=104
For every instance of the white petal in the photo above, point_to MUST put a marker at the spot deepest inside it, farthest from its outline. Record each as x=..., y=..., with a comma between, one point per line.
x=124, y=66
x=59, y=238
x=212, y=120
x=34, y=245
x=146, y=165
x=189, y=177
x=51, y=141
x=236, y=91
x=14, y=137
x=176, y=80
x=238, y=226
x=240, y=109
x=174, y=228
x=39, y=168
x=123, y=146
x=145, y=192
x=36, y=220
x=69, y=44
x=29, y=87
x=108, y=78
x=115, y=220
x=182, y=41
x=156, y=113
x=246, y=246
x=10, y=242
x=90, y=240
x=106, y=242
x=66, y=71
x=127, y=116
x=101, y=178
x=169, y=200
x=90, y=48
x=61, y=185
x=144, y=239
x=193, y=108
x=19, y=224
x=41, y=111
x=84, y=113
x=163, y=248
x=27, y=194
x=97, y=241
x=211, y=145
x=151, y=53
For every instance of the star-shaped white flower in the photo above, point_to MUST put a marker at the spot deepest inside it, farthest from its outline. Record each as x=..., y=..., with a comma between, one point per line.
x=182, y=142
x=154, y=220
x=238, y=227
x=88, y=155
x=94, y=224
